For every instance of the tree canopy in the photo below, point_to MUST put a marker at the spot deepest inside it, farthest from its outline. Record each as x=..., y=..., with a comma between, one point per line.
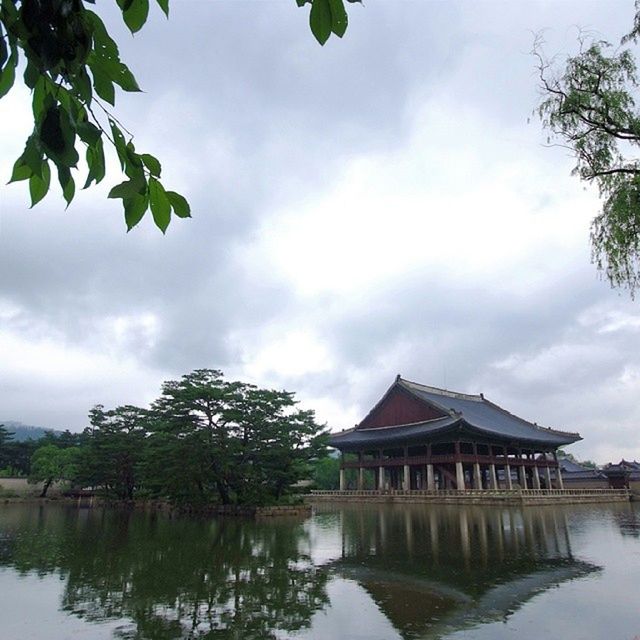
x=590, y=108
x=72, y=66
x=204, y=440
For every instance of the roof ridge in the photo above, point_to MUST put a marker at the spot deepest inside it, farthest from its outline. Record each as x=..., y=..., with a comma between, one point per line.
x=443, y=392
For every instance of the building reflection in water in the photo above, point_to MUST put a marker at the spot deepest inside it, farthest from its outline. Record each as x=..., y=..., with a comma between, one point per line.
x=435, y=569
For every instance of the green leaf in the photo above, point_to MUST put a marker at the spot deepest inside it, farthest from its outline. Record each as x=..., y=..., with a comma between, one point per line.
x=102, y=84
x=95, y=162
x=339, y=18
x=20, y=171
x=127, y=189
x=120, y=143
x=164, y=5
x=134, y=210
x=32, y=156
x=66, y=182
x=135, y=14
x=320, y=20
x=39, y=99
x=8, y=75
x=88, y=132
x=160, y=205
x=31, y=75
x=152, y=163
x=180, y=206
x=38, y=187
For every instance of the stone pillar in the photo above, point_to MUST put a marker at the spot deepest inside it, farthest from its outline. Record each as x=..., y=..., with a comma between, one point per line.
x=523, y=476
x=536, y=478
x=381, y=486
x=507, y=476
x=361, y=478
x=477, y=478
x=431, y=481
x=547, y=475
x=493, y=478
x=559, y=480
x=343, y=483
x=407, y=478
x=459, y=476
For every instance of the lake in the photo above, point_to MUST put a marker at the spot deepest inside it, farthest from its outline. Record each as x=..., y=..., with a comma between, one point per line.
x=374, y=572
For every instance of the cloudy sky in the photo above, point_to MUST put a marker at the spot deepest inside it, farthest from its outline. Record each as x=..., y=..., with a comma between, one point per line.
x=384, y=204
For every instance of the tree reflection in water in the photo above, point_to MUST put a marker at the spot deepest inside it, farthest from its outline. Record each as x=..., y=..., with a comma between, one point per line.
x=171, y=579
x=435, y=569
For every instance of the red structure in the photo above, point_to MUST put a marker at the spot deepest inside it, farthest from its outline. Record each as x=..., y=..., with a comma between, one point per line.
x=421, y=437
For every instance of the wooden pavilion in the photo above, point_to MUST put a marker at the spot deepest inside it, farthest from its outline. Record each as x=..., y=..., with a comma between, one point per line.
x=424, y=438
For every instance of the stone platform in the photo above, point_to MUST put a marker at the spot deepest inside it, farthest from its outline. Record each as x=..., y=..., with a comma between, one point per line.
x=476, y=496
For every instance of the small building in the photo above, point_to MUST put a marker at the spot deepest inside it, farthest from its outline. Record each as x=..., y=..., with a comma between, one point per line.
x=579, y=476
x=419, y=437
x=624, y=475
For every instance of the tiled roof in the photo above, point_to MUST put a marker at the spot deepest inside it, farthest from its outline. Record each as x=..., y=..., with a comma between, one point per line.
x=460, y=409
x=486, y=416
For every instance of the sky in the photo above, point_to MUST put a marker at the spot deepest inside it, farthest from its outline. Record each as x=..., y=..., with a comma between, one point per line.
x=384, y=204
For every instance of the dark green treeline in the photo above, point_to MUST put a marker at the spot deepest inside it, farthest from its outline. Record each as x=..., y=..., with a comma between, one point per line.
x=204, y=440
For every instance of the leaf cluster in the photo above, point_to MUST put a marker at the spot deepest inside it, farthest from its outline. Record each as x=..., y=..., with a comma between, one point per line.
x=72, y=67
x=590, y=109
x=327, y=17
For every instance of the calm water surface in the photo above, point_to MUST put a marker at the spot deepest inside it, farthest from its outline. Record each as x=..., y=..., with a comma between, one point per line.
x=373, y=572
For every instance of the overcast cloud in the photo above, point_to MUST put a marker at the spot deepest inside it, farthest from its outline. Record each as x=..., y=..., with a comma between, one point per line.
x=378, y=206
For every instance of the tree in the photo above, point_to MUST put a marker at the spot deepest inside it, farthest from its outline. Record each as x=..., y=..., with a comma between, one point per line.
x=50, y=464
x=590, y=109
x=245, y=444
x=113, y=449
x=72, y=66
x=5, y=438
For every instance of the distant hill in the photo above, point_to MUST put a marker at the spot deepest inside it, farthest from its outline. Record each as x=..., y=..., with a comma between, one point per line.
x=24, y=431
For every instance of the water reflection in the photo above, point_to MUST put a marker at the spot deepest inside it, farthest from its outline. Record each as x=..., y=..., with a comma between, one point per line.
x=432, y=570
x=170, y=578
x=428, y=570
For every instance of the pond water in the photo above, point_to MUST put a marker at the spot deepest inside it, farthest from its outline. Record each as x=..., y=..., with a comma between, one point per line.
x=379, y=572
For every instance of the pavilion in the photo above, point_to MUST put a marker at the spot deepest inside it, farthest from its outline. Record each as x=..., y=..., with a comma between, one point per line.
x=424, y=438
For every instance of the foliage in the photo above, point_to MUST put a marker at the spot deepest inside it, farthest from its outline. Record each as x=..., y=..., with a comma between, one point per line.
x=15, y=457
x=51, y=463
x=245, y=444
x=72, y=67
x=204, y=440
x=113, y=448
x=326, y=474
x=590, y=109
